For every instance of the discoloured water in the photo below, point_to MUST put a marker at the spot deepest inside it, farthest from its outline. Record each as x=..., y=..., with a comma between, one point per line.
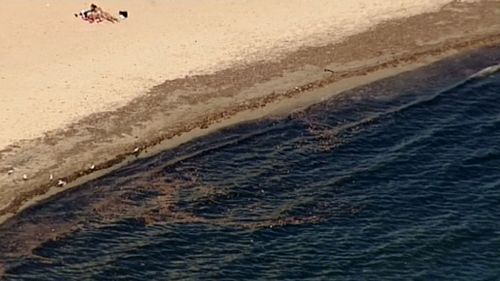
x=395, y=180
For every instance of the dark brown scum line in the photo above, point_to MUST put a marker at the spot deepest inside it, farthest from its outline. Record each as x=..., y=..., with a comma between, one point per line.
x=259, y=102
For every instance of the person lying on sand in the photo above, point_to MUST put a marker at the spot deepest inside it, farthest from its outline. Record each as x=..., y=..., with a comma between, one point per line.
x=103, y=14
x=96, y=14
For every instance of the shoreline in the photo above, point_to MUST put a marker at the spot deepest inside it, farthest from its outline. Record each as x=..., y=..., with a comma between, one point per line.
x=182, y=109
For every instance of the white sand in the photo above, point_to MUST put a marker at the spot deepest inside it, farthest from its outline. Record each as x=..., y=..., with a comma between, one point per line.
x=55, y=69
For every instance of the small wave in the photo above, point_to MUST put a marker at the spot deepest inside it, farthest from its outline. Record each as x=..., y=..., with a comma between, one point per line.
x=484, y=73
x=490, y=70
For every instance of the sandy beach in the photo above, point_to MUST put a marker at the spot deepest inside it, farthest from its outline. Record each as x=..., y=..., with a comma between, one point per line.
x=56, y=69
x=81, y=99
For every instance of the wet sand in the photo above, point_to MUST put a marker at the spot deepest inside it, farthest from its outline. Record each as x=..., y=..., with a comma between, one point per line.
x=181, y=109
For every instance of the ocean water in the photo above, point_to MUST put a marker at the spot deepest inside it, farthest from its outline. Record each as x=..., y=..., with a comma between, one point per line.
x=397, y=180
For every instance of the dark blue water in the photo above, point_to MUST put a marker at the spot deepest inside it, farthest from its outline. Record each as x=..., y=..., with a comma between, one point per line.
x=398, y=180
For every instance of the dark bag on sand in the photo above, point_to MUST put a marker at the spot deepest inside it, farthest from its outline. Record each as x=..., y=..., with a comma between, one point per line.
x=124, y=14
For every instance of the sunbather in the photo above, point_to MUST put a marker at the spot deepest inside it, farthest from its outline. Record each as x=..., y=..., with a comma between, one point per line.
x=96, y=14
x=103, y=14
